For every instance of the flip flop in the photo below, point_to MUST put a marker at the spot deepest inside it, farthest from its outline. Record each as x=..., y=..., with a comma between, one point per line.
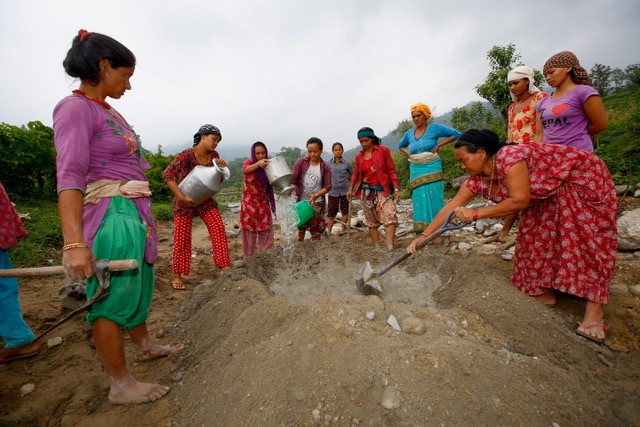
x=178, y=285
x=17, y=356
x=582, y=330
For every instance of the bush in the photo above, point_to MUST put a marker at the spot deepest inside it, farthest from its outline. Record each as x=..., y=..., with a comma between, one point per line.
x=41, y=246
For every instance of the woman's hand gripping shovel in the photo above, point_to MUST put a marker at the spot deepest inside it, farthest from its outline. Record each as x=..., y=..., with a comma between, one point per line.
x=102, y=268
x=366, y=278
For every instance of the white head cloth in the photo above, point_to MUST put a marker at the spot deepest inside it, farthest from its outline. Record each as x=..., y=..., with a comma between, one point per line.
x=523, y=72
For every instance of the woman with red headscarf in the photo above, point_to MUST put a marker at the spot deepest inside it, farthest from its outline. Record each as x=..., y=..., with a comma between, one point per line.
x=257, y=204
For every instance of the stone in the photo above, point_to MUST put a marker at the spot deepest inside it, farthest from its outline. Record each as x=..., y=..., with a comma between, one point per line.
x=393, y=322
x=456, y=183
x=636, y=194
x=635, y=290
x=413, y=326
x=370, y=315
x=464, y=246
x=629, y=231
x=487, y=249
x=623, y=188
x=390, y=399
x=54, y=342
x=624, y=256
x=27, y=388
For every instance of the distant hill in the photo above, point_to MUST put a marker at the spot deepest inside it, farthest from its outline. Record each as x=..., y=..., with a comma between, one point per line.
x=236, y=151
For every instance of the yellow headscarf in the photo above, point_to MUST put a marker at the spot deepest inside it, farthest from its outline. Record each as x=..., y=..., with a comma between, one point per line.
x=423, y=108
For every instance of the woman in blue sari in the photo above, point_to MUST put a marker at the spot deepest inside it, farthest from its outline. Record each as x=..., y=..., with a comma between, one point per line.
x=421, y=144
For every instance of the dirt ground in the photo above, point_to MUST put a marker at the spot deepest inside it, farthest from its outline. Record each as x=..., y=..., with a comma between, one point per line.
x=278, y=341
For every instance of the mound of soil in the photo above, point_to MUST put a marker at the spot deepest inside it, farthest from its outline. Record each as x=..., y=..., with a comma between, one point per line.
x=290, y=341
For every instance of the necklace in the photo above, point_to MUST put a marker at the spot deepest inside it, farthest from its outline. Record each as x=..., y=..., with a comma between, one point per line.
x=487, y=196
x=108, y=108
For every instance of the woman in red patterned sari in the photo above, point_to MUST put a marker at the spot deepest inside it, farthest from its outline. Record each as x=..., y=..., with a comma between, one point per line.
x=257, y=204
x=567, y=240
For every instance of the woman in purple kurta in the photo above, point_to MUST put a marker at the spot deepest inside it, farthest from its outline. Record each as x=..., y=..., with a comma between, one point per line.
x=105, y=208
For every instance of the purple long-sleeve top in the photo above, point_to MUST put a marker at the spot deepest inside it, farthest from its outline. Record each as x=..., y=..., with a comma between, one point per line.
x=93, y=144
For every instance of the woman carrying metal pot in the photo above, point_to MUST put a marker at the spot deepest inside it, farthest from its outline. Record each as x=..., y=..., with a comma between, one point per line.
x=185, y=209
x=258, y=203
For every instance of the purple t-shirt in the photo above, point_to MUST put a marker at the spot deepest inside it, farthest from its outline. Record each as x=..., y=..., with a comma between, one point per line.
x=92, y=144
x=563, y=119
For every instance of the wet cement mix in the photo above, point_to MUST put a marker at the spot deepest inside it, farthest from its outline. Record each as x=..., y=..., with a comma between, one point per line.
x=285, y=338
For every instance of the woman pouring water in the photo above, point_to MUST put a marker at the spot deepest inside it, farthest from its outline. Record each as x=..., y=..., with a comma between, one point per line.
x=185, y=209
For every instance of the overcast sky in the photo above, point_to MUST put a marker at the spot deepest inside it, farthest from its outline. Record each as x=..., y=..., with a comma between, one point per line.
x=282, y=71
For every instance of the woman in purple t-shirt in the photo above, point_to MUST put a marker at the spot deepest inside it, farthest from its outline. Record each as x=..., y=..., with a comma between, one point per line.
x=105, y=208
x=574, y=112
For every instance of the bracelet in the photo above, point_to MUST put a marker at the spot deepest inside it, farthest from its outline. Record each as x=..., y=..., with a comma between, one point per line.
x=69, y=246
x=475, y=214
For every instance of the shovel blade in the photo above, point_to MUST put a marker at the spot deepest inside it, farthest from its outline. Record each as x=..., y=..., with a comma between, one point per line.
x=365, y=281
x=371, y=287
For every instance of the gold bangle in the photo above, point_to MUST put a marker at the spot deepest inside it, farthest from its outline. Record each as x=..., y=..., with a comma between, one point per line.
x=69, y=246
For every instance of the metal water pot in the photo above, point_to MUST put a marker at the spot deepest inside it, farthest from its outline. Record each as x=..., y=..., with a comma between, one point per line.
x=204, y=181
x=279, y=175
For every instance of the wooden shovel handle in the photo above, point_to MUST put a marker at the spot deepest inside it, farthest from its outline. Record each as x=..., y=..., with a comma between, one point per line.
x=118, y=265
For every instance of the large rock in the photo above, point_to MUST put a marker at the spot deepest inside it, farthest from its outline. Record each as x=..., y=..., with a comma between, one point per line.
x=629, y=231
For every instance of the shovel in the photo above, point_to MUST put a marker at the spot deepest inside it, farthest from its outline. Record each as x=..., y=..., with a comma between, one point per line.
x=102, y=268
x=366, y=278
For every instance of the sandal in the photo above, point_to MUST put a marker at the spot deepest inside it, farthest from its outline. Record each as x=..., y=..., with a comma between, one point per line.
x=583, y=331
x=178, y=285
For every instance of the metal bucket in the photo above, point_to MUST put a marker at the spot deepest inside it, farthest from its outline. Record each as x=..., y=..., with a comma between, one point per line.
x=279, y=175
x=203, y=182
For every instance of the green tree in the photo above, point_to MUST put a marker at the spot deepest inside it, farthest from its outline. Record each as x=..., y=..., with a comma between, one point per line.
x=402, y=127
x=158, y=162
x=601, y=78
x=477, y=116
x=290, y=154
x=618, y=78
x=28, y=161
x=494, y=89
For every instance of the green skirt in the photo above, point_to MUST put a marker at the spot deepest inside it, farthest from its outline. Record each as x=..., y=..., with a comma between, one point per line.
x=122, y=236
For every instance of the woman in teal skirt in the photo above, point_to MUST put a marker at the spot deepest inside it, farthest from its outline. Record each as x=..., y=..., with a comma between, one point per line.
x=421, y=144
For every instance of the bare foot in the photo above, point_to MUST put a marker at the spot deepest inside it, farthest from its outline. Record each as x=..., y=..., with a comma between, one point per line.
x=548, y=299
x=135, y=392
x=503, y=237
x=155, y=351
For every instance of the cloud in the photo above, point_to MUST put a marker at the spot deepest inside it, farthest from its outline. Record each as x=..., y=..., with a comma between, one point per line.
x=284, y=70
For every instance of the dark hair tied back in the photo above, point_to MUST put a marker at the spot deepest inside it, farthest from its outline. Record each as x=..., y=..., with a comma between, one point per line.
x=88, y=49
x=484, y=139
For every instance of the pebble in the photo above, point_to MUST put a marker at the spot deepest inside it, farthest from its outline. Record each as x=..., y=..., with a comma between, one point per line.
x=179, y=376
x=413, y=326
x=635, y=290
x=316, y=415
x=464, y=246
x=54, y=342
x=393, y=322
x=487, y=249
x=507, y=256
x=390, y=399
x=27, y=388
x=371, y=315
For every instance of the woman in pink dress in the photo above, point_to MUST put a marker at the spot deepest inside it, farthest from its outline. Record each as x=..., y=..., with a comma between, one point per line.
x=257, y=204
x=568, y=239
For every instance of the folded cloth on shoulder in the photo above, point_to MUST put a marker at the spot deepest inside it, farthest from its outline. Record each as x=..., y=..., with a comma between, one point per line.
x=108, y=188
x=425, y=157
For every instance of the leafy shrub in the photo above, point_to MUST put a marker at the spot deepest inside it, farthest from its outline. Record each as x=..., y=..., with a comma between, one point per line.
x=40, y=247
